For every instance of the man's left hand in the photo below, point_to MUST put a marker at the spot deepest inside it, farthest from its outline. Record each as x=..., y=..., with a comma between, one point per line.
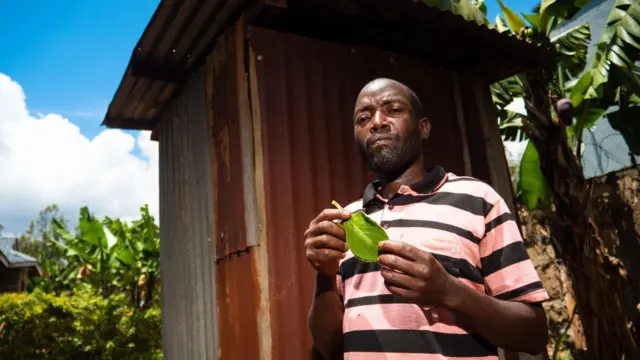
x=416, y=275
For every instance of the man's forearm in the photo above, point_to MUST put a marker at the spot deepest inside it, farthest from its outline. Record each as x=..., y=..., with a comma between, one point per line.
x=509, y=325
x=325, y=318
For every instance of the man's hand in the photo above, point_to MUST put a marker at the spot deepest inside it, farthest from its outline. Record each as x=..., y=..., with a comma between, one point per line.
x=325, y=241
x=416, y=275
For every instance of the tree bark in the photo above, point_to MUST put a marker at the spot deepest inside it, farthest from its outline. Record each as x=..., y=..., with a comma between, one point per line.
x=600, y=284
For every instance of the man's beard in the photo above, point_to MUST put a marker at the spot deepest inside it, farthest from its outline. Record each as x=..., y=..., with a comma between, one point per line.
x=395, y=159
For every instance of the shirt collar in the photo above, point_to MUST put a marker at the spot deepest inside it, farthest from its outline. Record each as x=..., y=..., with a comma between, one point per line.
x=430, y=182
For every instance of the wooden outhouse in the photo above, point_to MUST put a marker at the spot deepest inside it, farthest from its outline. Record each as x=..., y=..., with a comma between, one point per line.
x=251, y=103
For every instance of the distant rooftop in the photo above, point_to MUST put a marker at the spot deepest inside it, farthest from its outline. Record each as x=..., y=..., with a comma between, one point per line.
x=13, y=258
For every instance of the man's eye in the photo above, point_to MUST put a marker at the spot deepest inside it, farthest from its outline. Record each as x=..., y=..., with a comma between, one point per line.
x=361, y=119
x=396, y=110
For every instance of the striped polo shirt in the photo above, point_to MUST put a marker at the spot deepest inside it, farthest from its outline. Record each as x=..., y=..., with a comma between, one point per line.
x=468, y=228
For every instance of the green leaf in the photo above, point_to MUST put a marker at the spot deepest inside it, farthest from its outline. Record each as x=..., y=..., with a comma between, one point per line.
x=515, y=22
x=464, y=8
x=501, y=26
x=625, y=121
x=125, y=256
x=533, y=19
x=363, y=236
x=536, y=192
x=591, y=117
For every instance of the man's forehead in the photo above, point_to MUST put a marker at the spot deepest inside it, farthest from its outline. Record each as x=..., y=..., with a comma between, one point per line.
x=389, y=92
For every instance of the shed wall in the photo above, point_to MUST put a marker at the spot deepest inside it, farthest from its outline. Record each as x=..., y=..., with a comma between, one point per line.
x=187, y=253
x=307, y=89
x=238, y=262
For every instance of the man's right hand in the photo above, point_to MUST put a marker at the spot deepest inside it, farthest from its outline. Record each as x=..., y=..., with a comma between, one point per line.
x=325, y=241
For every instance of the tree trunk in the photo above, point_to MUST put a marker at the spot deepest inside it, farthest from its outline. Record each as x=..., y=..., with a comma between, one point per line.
x=600, y=284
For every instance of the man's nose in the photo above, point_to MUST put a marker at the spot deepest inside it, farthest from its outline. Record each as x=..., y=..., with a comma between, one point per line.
x=379, y=122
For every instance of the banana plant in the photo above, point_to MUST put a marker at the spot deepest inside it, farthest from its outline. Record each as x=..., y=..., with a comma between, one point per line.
x=140, y=252
x=93, y=253
x=579, y=92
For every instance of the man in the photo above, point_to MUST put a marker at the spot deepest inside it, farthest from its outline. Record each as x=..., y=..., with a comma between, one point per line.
x=453, y=281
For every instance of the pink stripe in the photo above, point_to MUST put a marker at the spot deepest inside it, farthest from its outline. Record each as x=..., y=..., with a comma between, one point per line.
x=503, y=235
x=367, y=284
x=394, y=356
x=433, y=212
x=512, y=277
x=372, y=283
x=471, y=187
x=399, y=317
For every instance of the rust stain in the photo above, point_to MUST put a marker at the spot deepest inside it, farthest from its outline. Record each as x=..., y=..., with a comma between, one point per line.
x=306, y=90
x=231, y=235
x=264, y=316
x=238, y=305
x=223, y=140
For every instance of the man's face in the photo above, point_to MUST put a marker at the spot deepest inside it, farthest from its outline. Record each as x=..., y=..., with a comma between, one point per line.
x=386, y=132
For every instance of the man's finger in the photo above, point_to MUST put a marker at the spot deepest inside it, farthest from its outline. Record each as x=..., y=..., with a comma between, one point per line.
x=324, y=255
x=331, y=215
x=325, y=227
x=400, y=264
x=403, y=250
x=397, y=279
x=326, y=241
x=409, y=295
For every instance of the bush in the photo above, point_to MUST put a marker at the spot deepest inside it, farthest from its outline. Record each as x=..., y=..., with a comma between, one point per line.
x=79, y=326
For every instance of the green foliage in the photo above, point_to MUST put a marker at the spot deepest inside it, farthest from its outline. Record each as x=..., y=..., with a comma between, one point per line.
x=612, y=78
x=363, y=235
x=532, y=185
x=109, y=255
x=471, y=11
x=78, y=326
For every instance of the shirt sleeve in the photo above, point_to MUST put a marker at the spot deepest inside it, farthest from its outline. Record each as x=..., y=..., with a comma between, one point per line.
x=508, y=271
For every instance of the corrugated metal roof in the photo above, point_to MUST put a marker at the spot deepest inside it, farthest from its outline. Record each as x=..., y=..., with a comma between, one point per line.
x=181, y=35
x=14, y=257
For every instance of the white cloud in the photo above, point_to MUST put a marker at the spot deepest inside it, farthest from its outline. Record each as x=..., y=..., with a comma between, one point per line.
x=45, y=159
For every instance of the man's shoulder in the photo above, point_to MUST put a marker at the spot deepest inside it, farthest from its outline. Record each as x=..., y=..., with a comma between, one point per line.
x=354, y=206
x=471, y=186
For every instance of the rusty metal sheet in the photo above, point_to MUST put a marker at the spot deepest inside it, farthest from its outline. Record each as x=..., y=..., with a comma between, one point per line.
x=238, y=304
x=186, y=258
x=307, y=89
x=230, y=209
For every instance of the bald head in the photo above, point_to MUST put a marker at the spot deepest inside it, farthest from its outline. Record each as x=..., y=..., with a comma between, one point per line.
x=384, y=84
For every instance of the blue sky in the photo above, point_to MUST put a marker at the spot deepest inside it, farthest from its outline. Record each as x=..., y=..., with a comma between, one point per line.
x=64, y=59
x=69, y=55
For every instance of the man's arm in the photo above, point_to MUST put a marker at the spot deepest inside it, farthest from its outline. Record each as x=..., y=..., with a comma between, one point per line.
x=325, y=318
x=502, y=316
x=510, y=325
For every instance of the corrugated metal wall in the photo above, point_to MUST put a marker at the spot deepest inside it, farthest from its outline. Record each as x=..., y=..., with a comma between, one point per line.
x=187, y=252
x=307, y=89
x=235, y=208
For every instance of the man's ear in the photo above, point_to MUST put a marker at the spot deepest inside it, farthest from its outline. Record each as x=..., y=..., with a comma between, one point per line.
x=425, y=128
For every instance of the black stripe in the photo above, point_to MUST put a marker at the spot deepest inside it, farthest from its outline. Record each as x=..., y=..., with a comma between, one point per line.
x=403, y=223
x=522, y=290
x=417, y=342
x=460, y=268
x=375, y=300
x=355, y=266
x=499, y=220
x=466, y=178
x=501, y=258
x=472, y=204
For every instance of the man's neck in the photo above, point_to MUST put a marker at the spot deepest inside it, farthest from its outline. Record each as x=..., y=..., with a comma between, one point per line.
x=392, y=183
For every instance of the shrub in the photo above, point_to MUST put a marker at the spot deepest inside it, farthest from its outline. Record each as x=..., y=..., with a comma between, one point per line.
x=79, y=326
